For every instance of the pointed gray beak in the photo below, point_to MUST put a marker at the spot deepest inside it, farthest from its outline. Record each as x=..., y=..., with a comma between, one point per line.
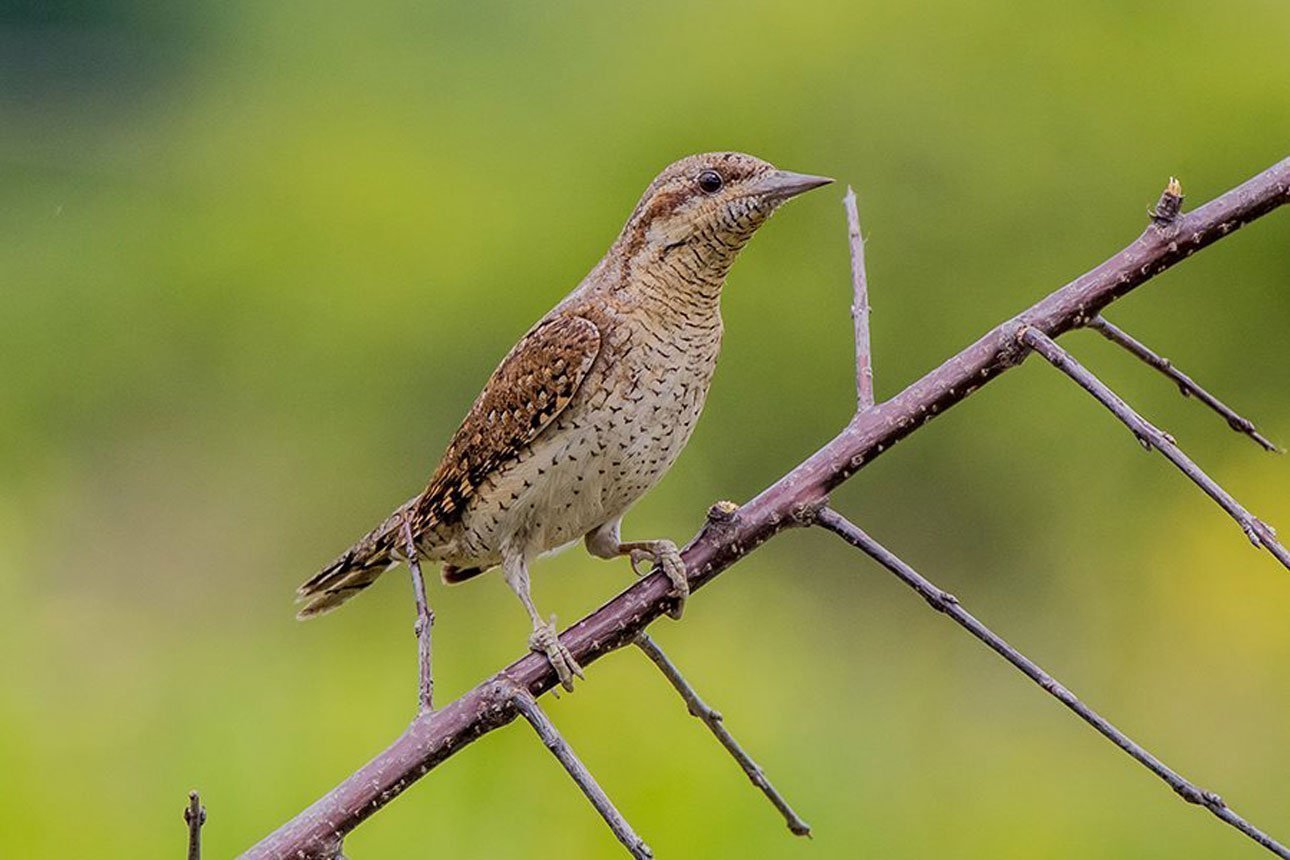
x=783, y=184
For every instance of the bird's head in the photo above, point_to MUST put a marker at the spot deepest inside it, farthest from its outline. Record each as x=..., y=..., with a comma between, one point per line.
x=704, y=208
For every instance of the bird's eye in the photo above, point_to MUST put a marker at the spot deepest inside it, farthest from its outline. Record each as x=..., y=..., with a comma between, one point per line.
x=710, y=181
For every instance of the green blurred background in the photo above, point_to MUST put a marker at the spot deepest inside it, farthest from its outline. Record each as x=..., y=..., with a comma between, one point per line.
x=257, y=258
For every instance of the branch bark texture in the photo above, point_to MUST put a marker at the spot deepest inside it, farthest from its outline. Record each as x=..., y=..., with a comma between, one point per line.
x=793, y=500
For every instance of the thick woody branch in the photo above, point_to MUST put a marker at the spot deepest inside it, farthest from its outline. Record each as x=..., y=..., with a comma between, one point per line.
x=1259, y=532
x=792, y=500
x=1185, y=383
x=943, y=601
x=716, y=724
x=859, y=306
x=560, y=748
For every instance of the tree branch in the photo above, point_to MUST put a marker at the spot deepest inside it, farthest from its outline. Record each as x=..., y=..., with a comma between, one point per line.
x=1259, y=532
x=422, y=627
x=1185, y=383
x=194, y=817
x=560, y=748
x=859, y=306
x=715, y=723
x=792, y=500
x=943, y=601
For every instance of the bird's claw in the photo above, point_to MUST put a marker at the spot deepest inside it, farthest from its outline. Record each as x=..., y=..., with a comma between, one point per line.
x=637, y=556
x=545, y=640
x=667, y=557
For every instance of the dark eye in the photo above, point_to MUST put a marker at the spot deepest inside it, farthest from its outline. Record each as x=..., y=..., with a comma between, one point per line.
x=710, y=181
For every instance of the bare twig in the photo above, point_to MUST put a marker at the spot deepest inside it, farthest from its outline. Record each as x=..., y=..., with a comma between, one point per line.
x=1185, y=383
x=422, y=627
x=859, y=306
x=317, y=831
x=1259, y=532
x=560, y=748
x=714, y=721
x=194, y=817
x=947, y=603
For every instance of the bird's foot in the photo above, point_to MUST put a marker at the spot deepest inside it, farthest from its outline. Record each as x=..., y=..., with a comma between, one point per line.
x=545, y=640
x=665, y=556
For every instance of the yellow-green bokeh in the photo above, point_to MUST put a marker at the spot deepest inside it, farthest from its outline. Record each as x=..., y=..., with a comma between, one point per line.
x=256, y=259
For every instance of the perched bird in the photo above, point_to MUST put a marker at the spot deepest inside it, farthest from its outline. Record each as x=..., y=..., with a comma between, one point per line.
x=592, y=406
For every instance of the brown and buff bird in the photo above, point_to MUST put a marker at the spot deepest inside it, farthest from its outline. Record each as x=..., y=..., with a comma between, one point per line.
x=592, y=406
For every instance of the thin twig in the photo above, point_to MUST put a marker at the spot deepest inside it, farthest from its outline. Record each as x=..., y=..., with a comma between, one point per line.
x=1259, y=532
x=551, y=737
x=714, y=721
x=947, y=603
x=422, y=627
x=194, y=817
x=859, y=306
x=1185, y=383
x=316, y=831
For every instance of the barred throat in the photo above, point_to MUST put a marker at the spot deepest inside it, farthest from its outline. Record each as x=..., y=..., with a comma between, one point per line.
x=695, y=268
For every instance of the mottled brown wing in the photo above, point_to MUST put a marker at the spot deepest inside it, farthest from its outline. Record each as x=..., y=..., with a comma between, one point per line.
x=533, y=384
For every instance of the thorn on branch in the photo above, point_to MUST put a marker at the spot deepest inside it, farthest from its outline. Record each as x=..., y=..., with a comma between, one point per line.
x=194, y=817
x=713, y=720
x=559, y=747
x=1185, y=383
x=1169, y=205
x=1259, y=532
x=856, y=537
x=723, y=512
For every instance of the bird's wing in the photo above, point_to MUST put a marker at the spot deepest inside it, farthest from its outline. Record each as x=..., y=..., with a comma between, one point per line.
x=531, y=386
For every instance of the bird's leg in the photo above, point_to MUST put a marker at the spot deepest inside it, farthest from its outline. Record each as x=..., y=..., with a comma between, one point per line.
x=664, y=554
x=544, y=638
x=604, y=542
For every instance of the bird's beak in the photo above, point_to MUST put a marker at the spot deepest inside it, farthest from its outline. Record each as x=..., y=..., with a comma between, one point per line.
x=783, y=184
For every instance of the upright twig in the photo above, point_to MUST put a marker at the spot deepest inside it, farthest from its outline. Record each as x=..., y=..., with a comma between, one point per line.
x=194, y=817
x=943, y=601
x=715, y=723
x=791, y=500
x=859, y=306
x=1185, y=383
x=1259, y=532
x=560, y=748
x=422, y=627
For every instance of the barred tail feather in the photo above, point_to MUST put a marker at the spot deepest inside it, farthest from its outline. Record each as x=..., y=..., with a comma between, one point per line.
x=338, y=582
x=356, y=569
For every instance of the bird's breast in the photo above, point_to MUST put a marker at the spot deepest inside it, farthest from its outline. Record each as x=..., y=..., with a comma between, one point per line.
x=628, y=424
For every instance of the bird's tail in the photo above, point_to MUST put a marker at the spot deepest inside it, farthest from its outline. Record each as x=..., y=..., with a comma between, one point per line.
x=355, y=569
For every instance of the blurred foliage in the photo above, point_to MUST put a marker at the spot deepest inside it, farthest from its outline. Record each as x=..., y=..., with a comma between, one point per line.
x=256, y=259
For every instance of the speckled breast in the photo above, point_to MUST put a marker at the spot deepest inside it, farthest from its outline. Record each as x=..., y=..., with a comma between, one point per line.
x=617, y=438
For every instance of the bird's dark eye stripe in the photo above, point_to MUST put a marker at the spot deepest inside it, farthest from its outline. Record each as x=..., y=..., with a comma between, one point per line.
x=710, y=181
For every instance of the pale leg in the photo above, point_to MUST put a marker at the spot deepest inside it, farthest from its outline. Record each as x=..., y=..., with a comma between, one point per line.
x=604, y=542
x=544, y=638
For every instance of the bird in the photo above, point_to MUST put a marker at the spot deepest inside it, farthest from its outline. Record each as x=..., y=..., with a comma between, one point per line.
x=590, y=408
